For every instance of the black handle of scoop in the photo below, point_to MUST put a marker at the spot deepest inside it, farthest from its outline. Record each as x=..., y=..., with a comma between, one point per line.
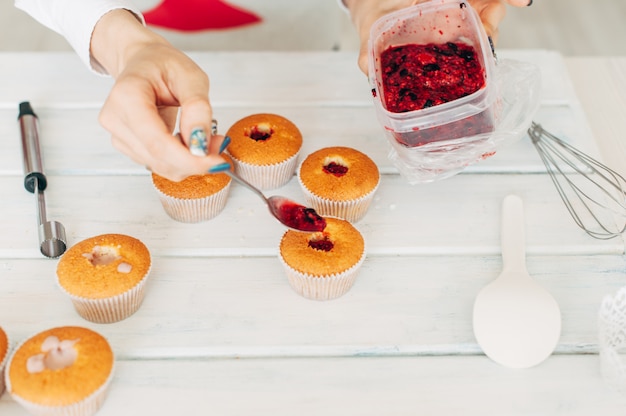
x=31, y=152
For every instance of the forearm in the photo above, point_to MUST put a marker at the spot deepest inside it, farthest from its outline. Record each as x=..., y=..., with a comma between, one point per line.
x=75, y=20
x=118, y=36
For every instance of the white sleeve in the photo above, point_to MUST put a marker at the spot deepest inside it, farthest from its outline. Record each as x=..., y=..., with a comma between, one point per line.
x=75, y=21
x=342, y=6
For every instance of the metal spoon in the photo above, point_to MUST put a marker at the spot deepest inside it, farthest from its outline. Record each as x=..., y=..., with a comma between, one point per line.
x=517, y=322
x=288, y=212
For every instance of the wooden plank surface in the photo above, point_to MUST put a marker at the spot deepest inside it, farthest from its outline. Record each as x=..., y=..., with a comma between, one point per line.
x=456, y=216
x=601, y=86
x=220, y=328
x=562, y=386
x=244, y=307
x=59, y=80
x=75, y=144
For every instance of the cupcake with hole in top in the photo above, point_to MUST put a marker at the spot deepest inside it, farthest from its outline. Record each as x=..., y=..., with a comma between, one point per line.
x=4, y=354
x=323, y=265
x=339, y=181
x=105, y=276
x=265, y=149
x=196, y=198
x=64, y=371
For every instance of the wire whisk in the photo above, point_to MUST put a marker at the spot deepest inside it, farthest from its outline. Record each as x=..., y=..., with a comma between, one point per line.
x=593, y=193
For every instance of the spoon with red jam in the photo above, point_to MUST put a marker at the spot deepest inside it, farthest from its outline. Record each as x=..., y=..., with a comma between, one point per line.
x=288, y=212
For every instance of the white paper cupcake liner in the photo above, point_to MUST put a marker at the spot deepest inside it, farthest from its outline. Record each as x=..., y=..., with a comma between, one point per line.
x=86, y=407
x=322, y=287
x=266, y=177
x=111, y=309
x=352, y=210
x=194, y=210
x=612, y=340
x=3, y=362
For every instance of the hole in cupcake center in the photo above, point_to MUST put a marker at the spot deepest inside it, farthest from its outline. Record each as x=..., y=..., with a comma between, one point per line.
x=335, y=166
x=102, y=255
x=320, y=241
x=56, y=355
x=261, y=131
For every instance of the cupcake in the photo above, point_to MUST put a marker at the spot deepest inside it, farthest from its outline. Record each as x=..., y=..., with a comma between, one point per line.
x=105, y=276
x=339, y=182
x=4, y=354
x=196, y=198
x=265, y=149
x=61, y=371
x=323, y=265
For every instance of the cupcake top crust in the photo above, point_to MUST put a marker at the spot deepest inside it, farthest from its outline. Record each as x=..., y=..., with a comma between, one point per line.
x=339, y=173
x=264, y=139
x=334, y=250
x=103, y=266
x=60, y=366
x=4, y=345
x=193, y=187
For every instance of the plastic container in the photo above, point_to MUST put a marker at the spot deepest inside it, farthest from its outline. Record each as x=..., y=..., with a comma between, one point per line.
x=438, y=22
x=441, y=140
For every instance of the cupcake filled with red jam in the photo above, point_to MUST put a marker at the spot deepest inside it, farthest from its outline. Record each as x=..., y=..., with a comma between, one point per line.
x=323, y=265
x=339, y=182
x=265, y=149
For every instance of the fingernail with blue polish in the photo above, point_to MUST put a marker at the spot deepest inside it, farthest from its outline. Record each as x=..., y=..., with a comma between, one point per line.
x=224, y=144
x=220, y=168
x=198, y=142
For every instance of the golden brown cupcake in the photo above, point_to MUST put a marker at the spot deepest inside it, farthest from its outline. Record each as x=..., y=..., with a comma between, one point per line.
x=339, y=181
x=4, y=354
x=323, y=265
x=61, y=371
x=105, y=276
x=265, y=149
x=196, y=198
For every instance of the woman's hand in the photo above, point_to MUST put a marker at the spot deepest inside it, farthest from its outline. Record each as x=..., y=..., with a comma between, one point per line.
x=365, y=12
x=152, y=81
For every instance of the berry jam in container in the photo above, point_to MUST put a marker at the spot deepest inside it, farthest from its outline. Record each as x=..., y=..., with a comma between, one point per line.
x=431, y=69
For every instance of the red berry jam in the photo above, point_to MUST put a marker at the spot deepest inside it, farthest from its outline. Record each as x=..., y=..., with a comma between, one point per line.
x=422, y=76
x=415, y=77
x=260, y=132
x=335, y=169
x=322, y=244
x=301, y=218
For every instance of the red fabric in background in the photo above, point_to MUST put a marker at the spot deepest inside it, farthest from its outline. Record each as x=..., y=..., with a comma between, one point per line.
x=199, y=15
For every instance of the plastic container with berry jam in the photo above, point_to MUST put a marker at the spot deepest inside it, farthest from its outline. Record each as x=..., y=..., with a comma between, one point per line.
x=431, y=69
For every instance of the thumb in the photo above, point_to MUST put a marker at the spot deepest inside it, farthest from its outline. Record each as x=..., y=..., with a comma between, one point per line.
x=363, y=62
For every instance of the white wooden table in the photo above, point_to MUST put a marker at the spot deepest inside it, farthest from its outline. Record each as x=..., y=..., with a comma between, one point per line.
x=221, y=332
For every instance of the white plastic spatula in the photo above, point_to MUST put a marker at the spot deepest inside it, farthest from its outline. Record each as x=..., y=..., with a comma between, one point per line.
x=517, y=322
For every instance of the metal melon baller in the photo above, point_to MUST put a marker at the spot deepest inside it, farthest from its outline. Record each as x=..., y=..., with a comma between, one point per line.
x=52, y=240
